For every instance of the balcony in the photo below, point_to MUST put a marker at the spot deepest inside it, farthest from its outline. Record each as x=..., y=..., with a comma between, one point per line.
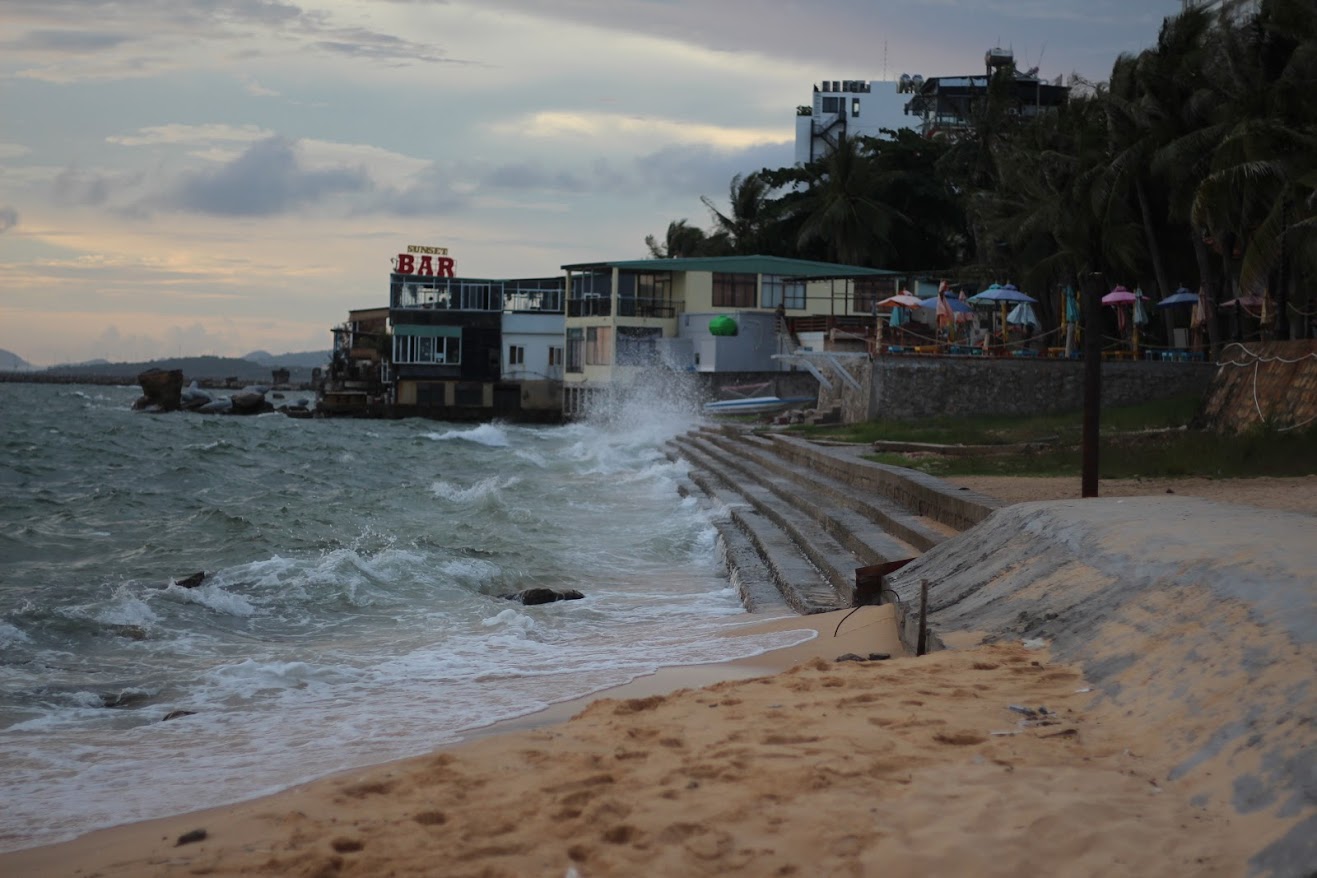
x=590, y=306
x=634, y=306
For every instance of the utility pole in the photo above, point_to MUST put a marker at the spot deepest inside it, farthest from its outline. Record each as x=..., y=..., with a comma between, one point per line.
x=1092, y=291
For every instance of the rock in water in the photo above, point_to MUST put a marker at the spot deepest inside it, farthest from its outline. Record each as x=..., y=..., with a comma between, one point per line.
x=532, y=596
x=191, y=581
x=161, y=389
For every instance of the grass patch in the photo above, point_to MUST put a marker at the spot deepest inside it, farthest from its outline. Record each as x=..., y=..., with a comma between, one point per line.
x=1165, y=455
x=1006, y=430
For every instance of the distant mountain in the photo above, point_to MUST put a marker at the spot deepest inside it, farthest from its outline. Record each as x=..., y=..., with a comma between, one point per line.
x=12, y=362
x=305, y=360
x=207, y=368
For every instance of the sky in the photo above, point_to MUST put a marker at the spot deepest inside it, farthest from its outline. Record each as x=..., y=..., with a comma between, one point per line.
x=189, y=177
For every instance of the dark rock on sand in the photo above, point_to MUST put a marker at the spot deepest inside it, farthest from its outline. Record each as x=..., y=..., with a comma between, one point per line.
x=532, y=596
x=190, y=837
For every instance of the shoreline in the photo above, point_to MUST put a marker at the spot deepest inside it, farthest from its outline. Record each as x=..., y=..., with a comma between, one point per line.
x=872, y=629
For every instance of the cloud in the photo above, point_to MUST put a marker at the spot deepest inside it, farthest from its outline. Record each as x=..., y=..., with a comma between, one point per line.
x=523, y=176
x=702, y=170
x=267, y=179
x=8, y=219
x=75, y=188
x=72, y=41
x=175, y=134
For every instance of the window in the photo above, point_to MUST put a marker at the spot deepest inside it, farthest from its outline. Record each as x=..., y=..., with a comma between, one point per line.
x=869, y=291
x=555, y=357
x=427, y=350
x=598, y=345
x=516, y=355
x=733, y=290
x=637, y=345
x=575, y=350
x=784, y=291
x=855, y=106
x=832, y=105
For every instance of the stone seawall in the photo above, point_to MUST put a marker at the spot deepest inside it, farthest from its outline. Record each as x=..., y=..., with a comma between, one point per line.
x=911, y=388
x=1272, y=383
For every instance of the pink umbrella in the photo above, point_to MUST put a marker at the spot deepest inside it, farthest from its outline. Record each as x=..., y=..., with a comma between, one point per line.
x=1118, y=296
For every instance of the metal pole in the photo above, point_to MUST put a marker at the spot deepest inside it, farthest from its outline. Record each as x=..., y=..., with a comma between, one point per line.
x=1092, y=382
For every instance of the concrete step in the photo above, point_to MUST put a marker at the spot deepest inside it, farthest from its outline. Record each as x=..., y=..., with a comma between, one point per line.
x=751, y=577
x=913, y=533
x=798, y=581
x=835, y=561
x=864, y=539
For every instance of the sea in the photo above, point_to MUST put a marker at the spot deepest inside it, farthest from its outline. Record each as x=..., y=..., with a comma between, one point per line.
x=351, y=611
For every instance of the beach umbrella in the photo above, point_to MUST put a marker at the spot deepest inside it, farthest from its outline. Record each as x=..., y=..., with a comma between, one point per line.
x=1070, y=319
x=1118, y=296
x=1022, y=315
x=1179, y=297
x=1003, y=296
x=902, y=299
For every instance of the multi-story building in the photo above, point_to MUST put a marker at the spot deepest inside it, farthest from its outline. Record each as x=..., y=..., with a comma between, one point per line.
x=947, y=105
x=628, y=317
x=470, y=349
x=849, y=107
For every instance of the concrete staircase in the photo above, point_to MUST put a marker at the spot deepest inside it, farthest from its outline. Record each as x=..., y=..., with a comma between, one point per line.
x=801, y=517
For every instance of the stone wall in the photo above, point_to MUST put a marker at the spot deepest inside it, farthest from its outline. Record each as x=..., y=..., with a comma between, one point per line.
x=1265, y=382
x=912, y=388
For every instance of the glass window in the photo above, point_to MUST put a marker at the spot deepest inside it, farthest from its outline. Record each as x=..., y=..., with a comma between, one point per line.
x=637, y=345
x=868, y=292
x=598, y=345
x=575, y=350
x=733, y=290
x=784, y=291
x=516, y=355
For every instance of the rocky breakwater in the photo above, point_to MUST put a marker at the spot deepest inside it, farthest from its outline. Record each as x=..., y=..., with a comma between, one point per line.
x=163, y=391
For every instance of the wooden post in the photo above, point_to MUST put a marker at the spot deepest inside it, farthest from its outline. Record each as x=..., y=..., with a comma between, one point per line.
x=1092, y=383
x=921, y=645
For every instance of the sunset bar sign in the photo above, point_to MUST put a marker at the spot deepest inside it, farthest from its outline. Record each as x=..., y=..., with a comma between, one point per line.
x=429, y=261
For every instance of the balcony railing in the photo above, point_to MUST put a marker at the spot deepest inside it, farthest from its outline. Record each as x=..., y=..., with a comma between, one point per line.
x=642, y=307
x=590, y=306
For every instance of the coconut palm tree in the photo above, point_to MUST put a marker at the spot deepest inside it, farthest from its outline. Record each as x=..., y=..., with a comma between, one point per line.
x=842, y=209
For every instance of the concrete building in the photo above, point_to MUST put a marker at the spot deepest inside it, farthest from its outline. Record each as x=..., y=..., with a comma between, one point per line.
x=944, y=106
x=627, y=317
x=849, y=106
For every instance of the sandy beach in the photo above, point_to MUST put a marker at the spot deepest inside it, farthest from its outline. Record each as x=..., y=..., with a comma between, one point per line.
x=984, y=759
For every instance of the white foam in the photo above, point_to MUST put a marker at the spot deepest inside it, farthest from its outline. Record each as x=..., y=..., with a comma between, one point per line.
x=491, y=435
x=488, y=487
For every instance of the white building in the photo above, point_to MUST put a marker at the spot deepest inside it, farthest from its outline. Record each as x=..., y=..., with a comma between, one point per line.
x=851, y=107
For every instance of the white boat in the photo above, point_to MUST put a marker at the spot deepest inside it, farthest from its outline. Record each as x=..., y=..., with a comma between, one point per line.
x=755, y=404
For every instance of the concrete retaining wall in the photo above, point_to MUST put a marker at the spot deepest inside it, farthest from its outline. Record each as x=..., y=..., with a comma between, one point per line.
x=911, y=388
x=1265, y=382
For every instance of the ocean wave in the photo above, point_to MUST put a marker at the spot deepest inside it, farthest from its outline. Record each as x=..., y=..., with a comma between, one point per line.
x=488, y=487
x=491, y=435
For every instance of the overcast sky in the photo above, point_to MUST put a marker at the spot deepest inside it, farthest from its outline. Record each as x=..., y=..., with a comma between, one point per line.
x=218, y=176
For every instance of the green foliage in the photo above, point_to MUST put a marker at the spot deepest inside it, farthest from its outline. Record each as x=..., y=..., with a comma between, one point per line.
x=1195, y=165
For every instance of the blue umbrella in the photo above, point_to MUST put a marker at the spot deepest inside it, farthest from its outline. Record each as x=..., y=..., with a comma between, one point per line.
x=1007, y=293
x=957, y=306
x=1179, y=297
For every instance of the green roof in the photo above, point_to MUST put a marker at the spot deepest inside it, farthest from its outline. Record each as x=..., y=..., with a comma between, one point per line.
x=742, y=265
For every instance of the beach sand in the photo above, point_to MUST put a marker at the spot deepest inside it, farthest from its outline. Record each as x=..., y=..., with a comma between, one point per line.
x=791, y=763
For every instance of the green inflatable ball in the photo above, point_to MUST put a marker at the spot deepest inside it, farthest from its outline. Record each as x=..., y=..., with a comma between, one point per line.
x=722, y=325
